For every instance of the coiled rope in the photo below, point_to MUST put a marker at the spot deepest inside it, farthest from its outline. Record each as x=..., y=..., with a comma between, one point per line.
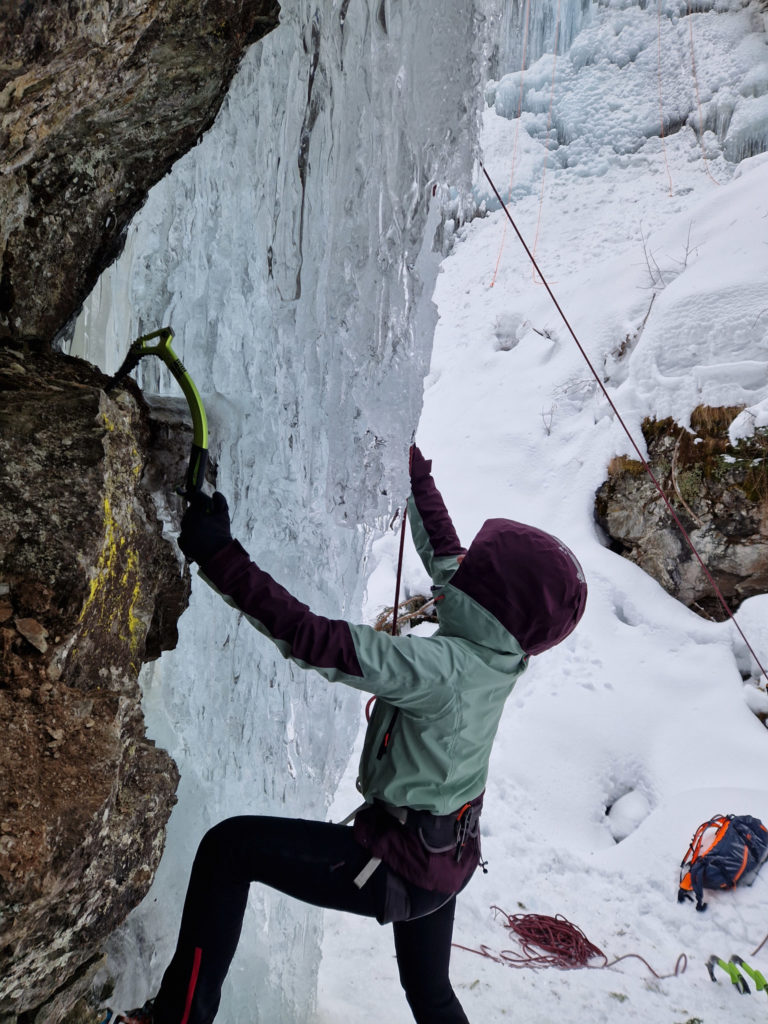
x=625, y=428
x=556, y=942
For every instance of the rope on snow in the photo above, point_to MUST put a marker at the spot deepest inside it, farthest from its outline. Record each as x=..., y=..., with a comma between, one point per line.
x=556, y=942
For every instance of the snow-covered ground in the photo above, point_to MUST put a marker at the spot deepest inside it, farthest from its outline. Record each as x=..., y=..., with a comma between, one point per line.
x=657, y=250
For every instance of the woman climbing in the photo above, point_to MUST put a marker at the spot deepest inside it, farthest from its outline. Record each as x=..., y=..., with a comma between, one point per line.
x=414, y=845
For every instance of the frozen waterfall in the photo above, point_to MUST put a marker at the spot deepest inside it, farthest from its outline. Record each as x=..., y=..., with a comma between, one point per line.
x=530, y=28
x=294, y=253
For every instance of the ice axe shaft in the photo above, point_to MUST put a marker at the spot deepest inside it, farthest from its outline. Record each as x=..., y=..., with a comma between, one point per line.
x=761, y=983
x=158, y=343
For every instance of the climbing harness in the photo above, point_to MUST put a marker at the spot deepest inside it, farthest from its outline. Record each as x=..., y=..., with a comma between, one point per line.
x=439, y=834
x=731, y=968
x=555, y=942
x=620, y=420
x=162, y=348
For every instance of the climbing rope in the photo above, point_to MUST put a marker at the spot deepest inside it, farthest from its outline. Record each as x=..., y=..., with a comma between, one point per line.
x=627, y=431
x=549, y=126
x=661, y=108
x=556, y=942
x=517, y=132
x=698, y=97
x=551, y=103
x=395, y=618
x=399, y=575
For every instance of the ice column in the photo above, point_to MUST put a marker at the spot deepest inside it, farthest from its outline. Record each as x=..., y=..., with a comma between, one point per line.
x=292, y=252
x=530, y=28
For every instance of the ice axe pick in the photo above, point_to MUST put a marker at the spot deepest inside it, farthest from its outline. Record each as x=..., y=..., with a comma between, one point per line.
x=158, y=343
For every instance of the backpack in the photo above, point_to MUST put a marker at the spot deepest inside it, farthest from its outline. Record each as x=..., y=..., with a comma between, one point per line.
x=723, y=850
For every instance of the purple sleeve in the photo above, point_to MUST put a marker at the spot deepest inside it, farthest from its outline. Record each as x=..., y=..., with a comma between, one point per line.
x=311, y=639
x=431, y=507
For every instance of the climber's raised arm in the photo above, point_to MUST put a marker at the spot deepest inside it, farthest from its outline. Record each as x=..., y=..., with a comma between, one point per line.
x=432, y=529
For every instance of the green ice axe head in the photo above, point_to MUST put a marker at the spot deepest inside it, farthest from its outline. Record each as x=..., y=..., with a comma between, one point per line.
x=144, y=346
x=761, y=984
x=737, y=978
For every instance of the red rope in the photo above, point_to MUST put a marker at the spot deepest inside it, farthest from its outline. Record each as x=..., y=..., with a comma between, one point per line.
x=564, y=944
x=634, y=444
x=556, y=942
x=372, y=700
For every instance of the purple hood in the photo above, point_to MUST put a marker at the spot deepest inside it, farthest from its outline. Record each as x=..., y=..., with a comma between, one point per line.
x=527, y=579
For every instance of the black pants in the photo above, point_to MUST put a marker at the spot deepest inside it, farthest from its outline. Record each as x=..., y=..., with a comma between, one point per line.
x=316, y=862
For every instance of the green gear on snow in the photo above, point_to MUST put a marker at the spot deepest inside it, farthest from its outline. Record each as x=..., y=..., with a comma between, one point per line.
x=731, y=968
x=761, y=984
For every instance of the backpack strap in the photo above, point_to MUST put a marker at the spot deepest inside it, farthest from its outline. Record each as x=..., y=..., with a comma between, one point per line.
x=691, y=880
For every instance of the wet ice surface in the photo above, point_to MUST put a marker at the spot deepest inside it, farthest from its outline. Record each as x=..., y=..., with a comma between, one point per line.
x=293, y=254
x=617, y=745
x=292, y=277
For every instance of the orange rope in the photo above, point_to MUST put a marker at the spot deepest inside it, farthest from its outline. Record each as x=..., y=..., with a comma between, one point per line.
x=620, y=420
x=517, y=132
x=698, y=98
x=661, y=108
x=549, y=125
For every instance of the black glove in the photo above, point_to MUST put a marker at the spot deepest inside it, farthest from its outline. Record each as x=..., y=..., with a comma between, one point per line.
x=419, y=468
x=205, y=527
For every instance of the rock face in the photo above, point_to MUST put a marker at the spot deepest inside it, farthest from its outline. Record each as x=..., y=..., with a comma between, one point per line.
x=97, y=100
x=718, y=489
x=89, y=589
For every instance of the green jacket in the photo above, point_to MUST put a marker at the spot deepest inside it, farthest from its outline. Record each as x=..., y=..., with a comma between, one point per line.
x=449, y=689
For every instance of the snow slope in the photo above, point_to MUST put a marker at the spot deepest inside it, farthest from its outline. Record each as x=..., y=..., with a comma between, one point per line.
x=657, y=250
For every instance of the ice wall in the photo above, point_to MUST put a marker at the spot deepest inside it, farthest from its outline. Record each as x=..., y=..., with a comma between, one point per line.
x=293, y=253
x=527, y=29
x=632, y=77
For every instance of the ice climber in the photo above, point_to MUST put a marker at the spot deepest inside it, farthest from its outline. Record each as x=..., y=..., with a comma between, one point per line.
x=516, y=592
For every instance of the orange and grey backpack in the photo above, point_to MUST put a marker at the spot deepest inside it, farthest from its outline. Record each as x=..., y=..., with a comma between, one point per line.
x=723, y=851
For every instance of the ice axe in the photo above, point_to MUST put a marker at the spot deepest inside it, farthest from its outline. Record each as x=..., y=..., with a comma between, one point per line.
x=730, y=968
x=162, y=347
x=761, y=984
